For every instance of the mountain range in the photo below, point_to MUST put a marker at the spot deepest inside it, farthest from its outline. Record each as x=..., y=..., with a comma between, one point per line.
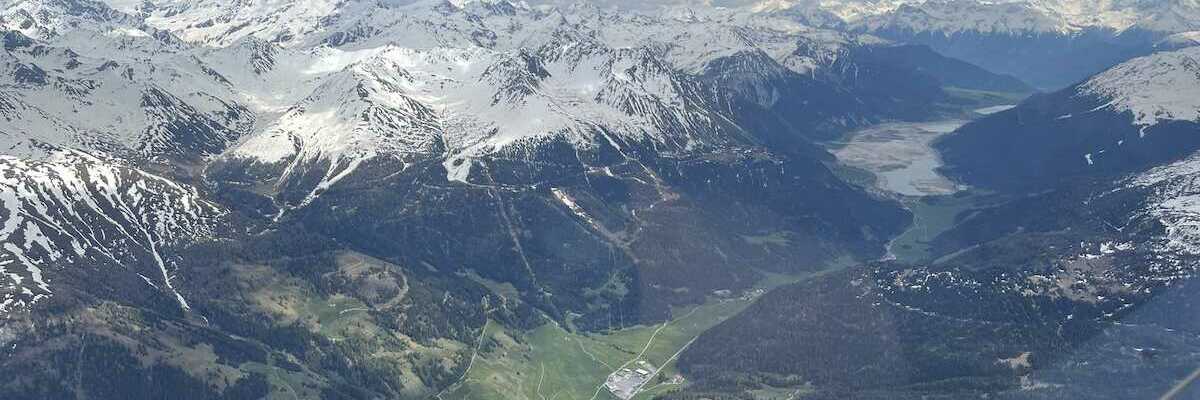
x=1079, y=253
x=348, y=198
x=1050, y=44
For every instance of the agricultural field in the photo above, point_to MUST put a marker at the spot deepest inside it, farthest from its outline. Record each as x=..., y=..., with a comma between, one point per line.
x=553, y=363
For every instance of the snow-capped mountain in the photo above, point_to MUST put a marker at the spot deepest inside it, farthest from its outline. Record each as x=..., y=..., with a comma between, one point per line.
x=281, y=104
x=1117, y=153
x=1005, y=16
x=1157, y=88
x=363, y=185
x=74, y=217
x=1121, y=143
x=1136, y=115
x=77, y=75
x=207, y=94
x=498, y=98
x=454, y=85
x=473, y=52
x=1091, y=250
x=1048, y=43
x=1118, y=150
x=287, y=102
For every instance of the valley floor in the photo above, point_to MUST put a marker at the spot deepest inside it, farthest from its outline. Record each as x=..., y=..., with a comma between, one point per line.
x=898, y=160
x=901, y=157
x=554, y=363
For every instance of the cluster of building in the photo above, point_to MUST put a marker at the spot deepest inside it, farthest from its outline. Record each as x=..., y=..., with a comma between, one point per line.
x=728, y=295
x=626, y=382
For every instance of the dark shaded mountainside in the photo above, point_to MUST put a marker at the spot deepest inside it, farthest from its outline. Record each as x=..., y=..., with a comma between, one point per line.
x=1054, y=138
x=1045, y=60
x=365, y=259
x=1067, y=279
x=951, y=72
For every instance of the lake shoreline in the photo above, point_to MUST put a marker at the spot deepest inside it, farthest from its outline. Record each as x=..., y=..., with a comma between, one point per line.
x=904, y=165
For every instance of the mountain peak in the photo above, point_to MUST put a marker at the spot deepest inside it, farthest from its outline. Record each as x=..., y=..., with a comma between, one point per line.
x=1161, y=87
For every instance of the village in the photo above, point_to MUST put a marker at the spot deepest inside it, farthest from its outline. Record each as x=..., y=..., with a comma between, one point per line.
x=627, y=382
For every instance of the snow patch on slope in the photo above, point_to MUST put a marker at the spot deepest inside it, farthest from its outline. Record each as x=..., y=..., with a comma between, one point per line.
x=75, y=209
x=469, y=102
x=1160, y=87
x=1174, y=201
x=127, y=96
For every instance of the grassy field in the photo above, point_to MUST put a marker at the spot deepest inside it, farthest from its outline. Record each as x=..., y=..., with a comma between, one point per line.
x=931, y=217
x=968, y=100
x=551, y=363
